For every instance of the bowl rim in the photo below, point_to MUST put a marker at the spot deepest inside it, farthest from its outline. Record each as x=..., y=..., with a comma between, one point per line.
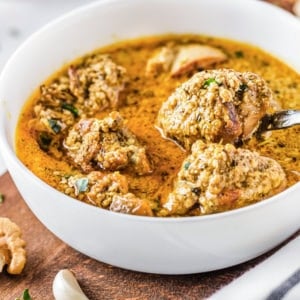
x=9, y=152
x=85, y=7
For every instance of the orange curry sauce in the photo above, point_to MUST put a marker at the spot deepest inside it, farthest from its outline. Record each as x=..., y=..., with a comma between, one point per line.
x=144, y=97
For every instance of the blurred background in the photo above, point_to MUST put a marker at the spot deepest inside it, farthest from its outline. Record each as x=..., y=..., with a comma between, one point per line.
x=20, y=18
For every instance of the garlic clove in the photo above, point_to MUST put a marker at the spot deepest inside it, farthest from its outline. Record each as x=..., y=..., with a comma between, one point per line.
x=66, y=287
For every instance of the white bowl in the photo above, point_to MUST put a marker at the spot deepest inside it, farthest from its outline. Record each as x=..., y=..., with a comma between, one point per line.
x=157, y=245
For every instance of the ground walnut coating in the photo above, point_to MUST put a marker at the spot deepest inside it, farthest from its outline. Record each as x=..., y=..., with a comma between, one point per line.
x=96, y=187
x=215, y=105
x=86, y=90
x=105, y=144
x=108, y=191
x=97, y=83
x=54, y=110
x=219, y=177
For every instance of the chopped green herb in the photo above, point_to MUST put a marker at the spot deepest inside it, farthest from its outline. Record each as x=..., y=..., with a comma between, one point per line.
x=44, y=140
x=25, y=295
x=243, y=86
x=1, y=198
x=239, y=54
x=209, y=81
x=54, y=125
x=196, y=191
x=81, y=185
x=240, y=92
x=234, y=163
x=70, y=108
x=187, y=165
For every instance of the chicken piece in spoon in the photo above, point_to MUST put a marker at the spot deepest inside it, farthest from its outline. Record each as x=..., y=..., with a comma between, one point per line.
x=214, y=106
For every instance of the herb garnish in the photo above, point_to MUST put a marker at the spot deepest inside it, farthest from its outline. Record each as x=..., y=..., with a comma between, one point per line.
x=81, y=185
x=240, y=92
x=25, y=295
x=70, y=108
x=209, y=81
x=44, y=140
x=239, y=54
x=243, y=86
x=186, y=165
x=54, y=125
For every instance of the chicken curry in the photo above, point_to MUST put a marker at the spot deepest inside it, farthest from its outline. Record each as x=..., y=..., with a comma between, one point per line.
x=164, y=126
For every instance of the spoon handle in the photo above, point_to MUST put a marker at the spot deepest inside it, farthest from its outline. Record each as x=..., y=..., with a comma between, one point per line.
x=279, y=120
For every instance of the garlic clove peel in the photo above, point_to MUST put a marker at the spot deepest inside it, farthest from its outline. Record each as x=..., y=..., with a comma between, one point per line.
x=66, y=287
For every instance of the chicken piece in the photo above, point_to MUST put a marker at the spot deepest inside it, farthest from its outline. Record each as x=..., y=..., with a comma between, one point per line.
x=12, y=252
x=106, y=191
x=83, y=143
x=55, y=110
x=105, y=186
x=130, y=204
x=105, y=144
x=192, y=57
x=215, y=105
x=96, y=187
x=219, y=177
x=161, y=61
x=98, y=84
x=183, y=59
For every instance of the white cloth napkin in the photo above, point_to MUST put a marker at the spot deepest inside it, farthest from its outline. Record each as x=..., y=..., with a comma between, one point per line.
x=277, y=277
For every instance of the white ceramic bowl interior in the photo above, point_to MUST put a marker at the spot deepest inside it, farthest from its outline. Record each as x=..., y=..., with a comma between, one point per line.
x=157, y=245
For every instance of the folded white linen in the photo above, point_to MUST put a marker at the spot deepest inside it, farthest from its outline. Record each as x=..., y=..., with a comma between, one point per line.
x=277, y=277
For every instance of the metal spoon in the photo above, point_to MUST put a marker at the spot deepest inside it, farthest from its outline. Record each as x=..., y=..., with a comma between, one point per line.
x=279, y=120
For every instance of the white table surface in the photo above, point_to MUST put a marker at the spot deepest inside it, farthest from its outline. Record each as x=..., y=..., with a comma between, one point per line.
x=20, y=18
